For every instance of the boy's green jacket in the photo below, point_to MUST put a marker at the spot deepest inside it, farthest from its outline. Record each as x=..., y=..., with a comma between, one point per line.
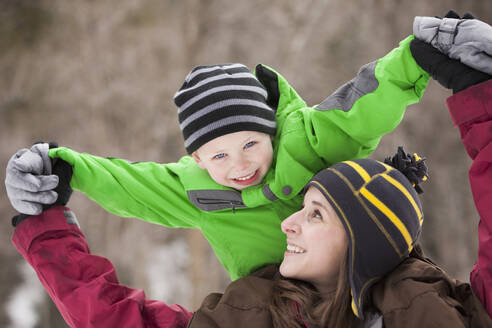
x=244, y=227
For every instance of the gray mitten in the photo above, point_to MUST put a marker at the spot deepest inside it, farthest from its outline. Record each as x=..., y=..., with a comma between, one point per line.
x=467, y=40
x=29, y=181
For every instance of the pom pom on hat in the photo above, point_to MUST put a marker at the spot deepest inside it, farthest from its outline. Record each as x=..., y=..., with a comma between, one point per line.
x=413, y=167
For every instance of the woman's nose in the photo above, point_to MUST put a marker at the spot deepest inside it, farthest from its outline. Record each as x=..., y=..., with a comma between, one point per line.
x=290, y=224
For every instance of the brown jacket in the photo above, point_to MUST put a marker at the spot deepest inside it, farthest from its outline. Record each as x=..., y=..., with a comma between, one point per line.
x=244, y=303
x=416, y=294
x=420, y=294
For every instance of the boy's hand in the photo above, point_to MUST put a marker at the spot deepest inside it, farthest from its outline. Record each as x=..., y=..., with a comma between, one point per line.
x=29, y=181
x=449, y=72
x=466, y=39
x=63, y=171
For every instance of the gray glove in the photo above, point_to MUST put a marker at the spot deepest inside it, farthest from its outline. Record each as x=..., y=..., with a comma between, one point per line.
x=29, y=181
x=467, y=40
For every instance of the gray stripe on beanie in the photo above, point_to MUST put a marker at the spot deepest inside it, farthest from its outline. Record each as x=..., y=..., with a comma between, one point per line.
x=198, y=71
x=227, y=98
x=220, y=89
x=241, y=75
x=228, y=121
x=220, y=104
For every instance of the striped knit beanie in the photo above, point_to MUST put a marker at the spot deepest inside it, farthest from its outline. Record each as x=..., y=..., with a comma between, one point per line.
x=221, y=99
x=380, y=211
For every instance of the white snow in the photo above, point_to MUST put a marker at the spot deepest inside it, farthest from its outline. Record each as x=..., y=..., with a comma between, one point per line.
x=21, y=304
x=167, y=273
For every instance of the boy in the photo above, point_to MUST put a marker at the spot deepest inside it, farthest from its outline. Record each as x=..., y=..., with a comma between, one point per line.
x=252, y=152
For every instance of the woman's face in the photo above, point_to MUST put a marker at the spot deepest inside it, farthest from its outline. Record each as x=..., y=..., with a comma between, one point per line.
x=316, y=243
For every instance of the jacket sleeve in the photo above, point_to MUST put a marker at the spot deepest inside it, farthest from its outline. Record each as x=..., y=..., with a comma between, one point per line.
x=146, y=190
x=471, y=111
x=350, y=123
x=83, y=286
x=426, y=310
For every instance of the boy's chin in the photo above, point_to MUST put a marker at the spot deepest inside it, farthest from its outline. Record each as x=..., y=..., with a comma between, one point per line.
x=239, y=188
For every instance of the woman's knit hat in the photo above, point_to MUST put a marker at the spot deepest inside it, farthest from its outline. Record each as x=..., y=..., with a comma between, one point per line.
x=380, y=211
x=222, y=99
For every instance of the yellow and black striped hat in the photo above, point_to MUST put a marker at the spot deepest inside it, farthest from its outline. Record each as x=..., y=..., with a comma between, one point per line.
x=380, y=211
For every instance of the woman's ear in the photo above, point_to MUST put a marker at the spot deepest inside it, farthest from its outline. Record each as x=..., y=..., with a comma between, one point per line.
x=197, y=159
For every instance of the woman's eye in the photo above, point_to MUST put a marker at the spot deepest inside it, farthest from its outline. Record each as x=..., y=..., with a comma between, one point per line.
x=250, y=144
x=316, y=214
x=219, y=156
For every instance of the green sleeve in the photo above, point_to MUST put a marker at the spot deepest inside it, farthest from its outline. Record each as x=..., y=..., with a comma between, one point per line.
x=350, y=123
x=146, y=190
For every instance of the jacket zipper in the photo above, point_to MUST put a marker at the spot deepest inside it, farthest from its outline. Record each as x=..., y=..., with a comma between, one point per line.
x=232, y=203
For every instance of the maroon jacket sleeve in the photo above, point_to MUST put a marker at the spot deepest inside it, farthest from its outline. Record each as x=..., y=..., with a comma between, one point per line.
x=84, y=286
x=471, y=111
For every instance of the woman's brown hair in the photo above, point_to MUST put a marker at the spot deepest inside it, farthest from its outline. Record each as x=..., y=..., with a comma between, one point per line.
x=290, y=296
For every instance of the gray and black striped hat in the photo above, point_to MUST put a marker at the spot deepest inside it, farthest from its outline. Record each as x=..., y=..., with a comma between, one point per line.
x=221, y=99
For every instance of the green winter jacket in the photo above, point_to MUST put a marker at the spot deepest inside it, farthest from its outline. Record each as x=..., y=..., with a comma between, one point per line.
x=244, y=227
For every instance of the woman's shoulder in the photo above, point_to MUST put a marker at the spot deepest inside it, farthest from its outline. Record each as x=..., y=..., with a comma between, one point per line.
x=417, y=275
x=418, y=292
x=419, y=268
x=413, y=277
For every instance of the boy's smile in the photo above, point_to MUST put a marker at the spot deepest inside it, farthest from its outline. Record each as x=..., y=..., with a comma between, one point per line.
x=247, y=180
x=237, y=160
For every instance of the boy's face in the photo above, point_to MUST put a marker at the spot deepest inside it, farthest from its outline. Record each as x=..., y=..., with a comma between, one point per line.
x=237, y=160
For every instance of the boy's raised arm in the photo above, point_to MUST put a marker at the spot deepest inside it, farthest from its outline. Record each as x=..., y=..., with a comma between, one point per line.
x=350, y=122
x=347, y=125
x=147, y=190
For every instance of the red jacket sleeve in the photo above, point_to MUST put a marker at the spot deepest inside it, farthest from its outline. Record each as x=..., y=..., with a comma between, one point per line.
x=84, y=286
x=471, y=111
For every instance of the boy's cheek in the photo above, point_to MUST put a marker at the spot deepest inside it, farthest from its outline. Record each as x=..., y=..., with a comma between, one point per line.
x=215, y=174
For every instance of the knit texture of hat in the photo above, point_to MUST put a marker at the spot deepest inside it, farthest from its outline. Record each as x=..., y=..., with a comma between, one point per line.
x=221, y=99
x=382, y=216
